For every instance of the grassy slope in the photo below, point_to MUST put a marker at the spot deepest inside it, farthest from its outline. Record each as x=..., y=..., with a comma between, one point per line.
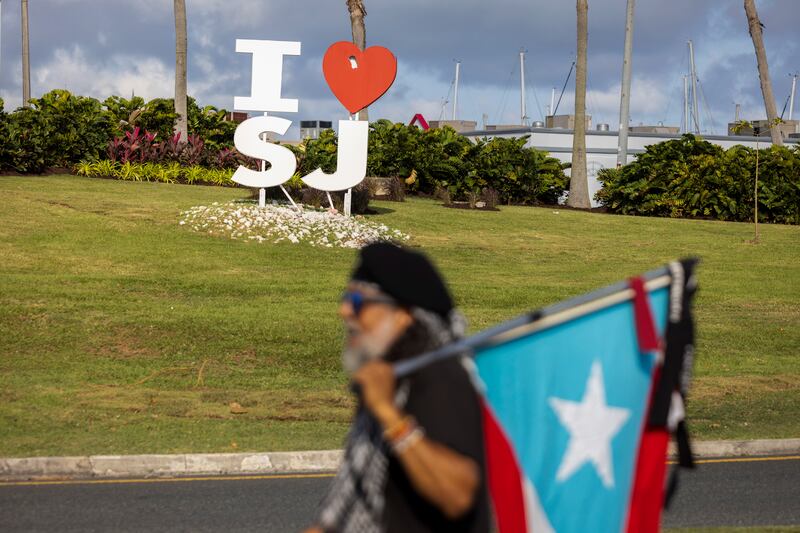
x=122, y=332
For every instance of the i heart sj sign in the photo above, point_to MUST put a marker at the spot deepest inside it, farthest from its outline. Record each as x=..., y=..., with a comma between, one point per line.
x=356, y=78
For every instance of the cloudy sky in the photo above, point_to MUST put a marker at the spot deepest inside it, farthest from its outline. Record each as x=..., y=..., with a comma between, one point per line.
x=106, y=47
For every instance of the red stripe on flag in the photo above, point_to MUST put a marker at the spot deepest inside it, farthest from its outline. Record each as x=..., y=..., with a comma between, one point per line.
x=505, y=478
x=645, y=325
x=648, y=491
x=647, y=499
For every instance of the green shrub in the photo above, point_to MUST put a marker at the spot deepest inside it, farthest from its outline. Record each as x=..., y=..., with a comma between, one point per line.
x=124, y=113
x=518, y=174
x=57, y=130
x=209, y=124
x=5, y=146
x=158, y=116
x=689, y=177
x=393, y=149
x=317, y=153
x=442, y=158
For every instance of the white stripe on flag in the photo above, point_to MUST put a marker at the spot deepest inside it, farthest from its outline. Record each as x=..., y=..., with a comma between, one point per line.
x=534, y=513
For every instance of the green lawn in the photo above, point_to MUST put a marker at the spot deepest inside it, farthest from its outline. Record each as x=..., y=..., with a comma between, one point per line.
x=123, y=332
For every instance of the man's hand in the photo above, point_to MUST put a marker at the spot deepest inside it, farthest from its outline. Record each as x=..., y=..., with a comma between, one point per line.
x=377, y=391
x=444, y=477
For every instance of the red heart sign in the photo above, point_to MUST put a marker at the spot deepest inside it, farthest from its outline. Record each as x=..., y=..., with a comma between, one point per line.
x=358, y=78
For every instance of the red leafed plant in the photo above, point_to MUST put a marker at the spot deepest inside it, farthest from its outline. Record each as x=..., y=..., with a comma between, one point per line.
x=139, y=146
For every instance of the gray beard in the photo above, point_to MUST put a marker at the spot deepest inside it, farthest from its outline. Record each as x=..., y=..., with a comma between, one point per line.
x=371, y=346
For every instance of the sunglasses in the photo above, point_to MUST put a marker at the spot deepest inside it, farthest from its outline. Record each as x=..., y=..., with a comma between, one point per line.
x=357, y=300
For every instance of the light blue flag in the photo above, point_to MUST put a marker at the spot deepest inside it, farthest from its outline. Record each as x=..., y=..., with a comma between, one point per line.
x=572, y=399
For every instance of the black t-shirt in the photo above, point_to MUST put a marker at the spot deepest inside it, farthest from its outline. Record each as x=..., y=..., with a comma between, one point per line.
x=445, y=404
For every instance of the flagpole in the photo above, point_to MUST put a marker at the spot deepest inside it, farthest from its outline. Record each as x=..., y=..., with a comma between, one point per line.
x=544, y=318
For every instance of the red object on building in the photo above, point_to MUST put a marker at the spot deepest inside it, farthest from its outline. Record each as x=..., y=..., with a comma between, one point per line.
x=418, y=118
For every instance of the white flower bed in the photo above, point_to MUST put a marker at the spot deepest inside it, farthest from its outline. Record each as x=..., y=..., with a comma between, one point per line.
x=282, y=223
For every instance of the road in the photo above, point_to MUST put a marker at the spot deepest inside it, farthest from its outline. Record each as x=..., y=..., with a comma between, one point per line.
x=720, y=493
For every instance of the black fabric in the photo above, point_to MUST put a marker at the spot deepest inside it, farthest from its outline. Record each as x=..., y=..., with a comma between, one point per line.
x=678, y=362
x=408, y=277
x=679, y=349
x=444, y=402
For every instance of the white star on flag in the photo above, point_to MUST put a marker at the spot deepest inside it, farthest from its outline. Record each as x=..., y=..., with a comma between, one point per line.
x=591, y=424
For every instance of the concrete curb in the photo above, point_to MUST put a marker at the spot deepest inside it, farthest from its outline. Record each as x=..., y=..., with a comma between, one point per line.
x=742, y=448
x=146, y=466
x=210, y=464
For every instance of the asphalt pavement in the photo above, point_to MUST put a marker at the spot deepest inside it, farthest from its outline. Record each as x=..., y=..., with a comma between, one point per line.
x=730, y=492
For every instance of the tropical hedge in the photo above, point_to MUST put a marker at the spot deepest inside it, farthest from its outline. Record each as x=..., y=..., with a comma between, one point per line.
x=690, y=177
x=61, y=129
x=443, y=159
x=133, y=139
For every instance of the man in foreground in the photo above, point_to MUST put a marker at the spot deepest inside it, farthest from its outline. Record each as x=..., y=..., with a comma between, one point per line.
x=414, y=458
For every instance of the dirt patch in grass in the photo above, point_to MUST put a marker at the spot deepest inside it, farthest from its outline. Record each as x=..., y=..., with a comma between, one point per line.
x=124, y=345
x=280, y=405
x=714, y=389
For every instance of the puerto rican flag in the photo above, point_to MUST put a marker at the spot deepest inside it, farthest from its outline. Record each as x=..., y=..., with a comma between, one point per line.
x=578, y=411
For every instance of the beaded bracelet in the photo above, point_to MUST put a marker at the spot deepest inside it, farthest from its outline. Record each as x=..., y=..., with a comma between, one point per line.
x=404, y=443
x=399, y=429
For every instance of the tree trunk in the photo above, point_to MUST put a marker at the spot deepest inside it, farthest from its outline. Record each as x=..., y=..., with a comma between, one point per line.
x=26, y=57
x=578, y=183
x=181, y=125
x=357, y=14
x=763, y=70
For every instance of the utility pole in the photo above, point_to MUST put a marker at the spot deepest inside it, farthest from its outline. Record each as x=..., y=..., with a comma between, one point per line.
x=455, y=97
x=523, y=112
x=625, y=97
x=791, y=98
x=693, y=74
x=26, y=57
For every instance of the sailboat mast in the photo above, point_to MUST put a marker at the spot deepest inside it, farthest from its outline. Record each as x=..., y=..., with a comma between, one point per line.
x=693, y=74
x=523, y=112
x=455, y=98
x=686, y=126
x=625, y=97
x=791, y=98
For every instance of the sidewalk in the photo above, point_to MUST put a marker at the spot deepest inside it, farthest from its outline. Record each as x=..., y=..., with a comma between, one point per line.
x=144, y=466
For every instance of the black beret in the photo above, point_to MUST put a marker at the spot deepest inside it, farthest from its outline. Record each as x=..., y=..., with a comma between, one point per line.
x=408, y=277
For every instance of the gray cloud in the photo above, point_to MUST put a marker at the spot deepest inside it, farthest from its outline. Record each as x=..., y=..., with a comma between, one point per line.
x=124, y=46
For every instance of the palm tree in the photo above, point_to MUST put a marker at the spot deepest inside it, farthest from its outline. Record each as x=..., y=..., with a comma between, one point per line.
x=26, y=56
x=182, y=126
x=357, y=14
x=578, y=184
x=763, y=70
